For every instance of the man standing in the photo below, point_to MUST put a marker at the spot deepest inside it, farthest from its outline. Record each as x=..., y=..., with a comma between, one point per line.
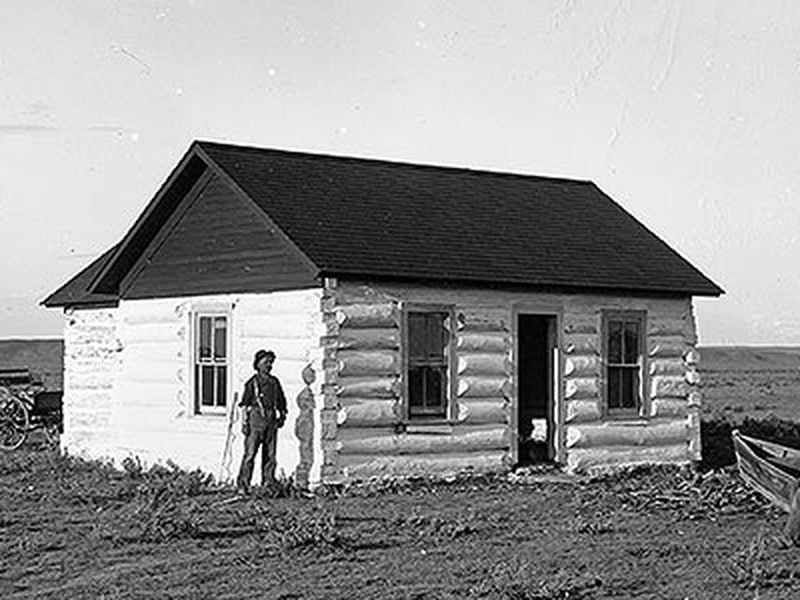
x=263, y=413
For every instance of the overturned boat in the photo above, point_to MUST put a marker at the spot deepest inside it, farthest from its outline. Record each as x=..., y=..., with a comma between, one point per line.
x=770, y=468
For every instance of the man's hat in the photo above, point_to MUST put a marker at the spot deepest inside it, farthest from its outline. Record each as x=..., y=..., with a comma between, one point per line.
x=262, y=354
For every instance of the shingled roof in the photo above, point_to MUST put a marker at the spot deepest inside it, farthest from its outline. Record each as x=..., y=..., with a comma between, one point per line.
x=366, y=218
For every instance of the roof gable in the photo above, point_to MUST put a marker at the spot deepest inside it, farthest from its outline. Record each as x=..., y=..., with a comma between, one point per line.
x=365, y=218
x=216, y=242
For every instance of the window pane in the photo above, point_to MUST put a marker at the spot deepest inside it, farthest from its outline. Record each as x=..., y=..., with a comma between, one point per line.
x=614, y=385
x=434, y=389
x=615, y=342
x=427, y=368
x=437, y=336
x=416, y=386
x=220, y=337
x=630, y=388
x=631, y=342
x=206, y=386
x=204, y=338
x=417, y=337
x=221, y=386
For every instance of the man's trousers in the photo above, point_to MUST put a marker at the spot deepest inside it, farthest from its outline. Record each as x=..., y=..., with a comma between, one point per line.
x=264, y=436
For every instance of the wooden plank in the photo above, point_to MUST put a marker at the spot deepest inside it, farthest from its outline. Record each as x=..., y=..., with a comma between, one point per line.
x=668, y=326
x=282, y=326
x=581, y=323
x=669, y=407
x=364, y=339
x=669, y=386
x=579, y=388
x=609, y=433
x=667, y=347
x=581, y=411
x=465, y=440
x=492, y=365
x=368, y=316
x=358, y=363
x=483, y=342
x=667, y=366
x=582, y=344
x=591, y=459
x=368, y=412
x=240, y=252
x=483, y=386
x=482, y=410
x=582, y=366
x=483, y=319
x=362, y=467
x=368, y=387
x=359, y=294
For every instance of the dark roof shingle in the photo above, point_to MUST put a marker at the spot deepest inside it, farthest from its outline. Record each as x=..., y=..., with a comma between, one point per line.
x=366, y=218
x=385, y=219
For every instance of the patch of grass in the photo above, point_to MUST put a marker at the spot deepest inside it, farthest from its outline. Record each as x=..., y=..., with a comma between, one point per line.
x=519, y=581
x=747, y=565
x=440, y=527
x=320, y=529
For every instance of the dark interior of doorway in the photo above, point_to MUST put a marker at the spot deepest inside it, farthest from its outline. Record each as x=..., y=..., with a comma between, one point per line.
x=535, y=339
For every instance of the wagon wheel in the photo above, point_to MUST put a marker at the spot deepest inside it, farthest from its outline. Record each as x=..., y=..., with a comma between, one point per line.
x=14, y=421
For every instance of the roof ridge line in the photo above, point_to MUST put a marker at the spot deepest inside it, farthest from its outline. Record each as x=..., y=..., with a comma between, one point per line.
x=394, y=162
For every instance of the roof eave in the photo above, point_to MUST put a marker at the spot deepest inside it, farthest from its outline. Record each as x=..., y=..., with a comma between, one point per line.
x=541, y=286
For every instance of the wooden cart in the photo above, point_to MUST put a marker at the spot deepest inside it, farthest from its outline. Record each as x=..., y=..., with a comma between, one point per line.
x=26, y=406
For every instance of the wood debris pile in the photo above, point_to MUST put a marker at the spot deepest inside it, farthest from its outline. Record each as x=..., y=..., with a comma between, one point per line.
x=695, y=496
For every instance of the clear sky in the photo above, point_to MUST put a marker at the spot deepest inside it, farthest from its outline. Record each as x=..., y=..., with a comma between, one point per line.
x=686, y=113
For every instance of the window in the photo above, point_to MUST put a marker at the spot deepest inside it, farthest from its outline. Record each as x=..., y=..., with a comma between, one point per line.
x=624, y=341
x=211, y=362
x=427, y=375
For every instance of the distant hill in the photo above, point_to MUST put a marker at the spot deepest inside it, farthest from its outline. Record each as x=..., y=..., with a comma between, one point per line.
x=749, y=358
x=44, y=358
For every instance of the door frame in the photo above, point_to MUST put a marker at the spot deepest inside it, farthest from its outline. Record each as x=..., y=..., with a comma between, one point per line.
x=555, y=311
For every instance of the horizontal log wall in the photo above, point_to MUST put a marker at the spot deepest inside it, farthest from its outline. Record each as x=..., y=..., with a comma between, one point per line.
x=670, y=430
x=139, y=366
x=365, y=319
x=354, y=467
x=91, y=363
x=590, y=460
x=363, y=421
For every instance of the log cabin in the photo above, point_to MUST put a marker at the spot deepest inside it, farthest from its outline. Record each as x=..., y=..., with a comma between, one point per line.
x=427, y=321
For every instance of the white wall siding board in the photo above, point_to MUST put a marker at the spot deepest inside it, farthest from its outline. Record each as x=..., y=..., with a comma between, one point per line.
x=604, y=458
x=483, y=386
x=366, y=467
x=91, y=363
x=129, y=371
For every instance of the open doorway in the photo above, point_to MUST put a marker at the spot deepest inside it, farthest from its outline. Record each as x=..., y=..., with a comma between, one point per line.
x=536, y=335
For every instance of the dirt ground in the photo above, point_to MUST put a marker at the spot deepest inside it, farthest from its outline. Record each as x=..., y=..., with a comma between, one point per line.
x=73, y=529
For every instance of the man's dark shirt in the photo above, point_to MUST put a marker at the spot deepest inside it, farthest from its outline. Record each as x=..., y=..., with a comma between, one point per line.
x=266, y=395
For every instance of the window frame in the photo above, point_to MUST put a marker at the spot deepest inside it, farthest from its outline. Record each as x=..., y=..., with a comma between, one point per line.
x=199, y=409
x=449, y=363
x=642, y=410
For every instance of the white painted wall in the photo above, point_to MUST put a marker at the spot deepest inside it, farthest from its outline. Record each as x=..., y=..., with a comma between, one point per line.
x=128, y=377
x=587, y=440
